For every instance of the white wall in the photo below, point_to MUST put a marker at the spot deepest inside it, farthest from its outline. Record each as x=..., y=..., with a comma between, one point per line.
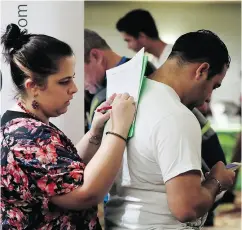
x=174, y=19
x=63, y=20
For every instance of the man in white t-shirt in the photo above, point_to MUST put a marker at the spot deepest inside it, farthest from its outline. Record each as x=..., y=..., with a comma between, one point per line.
x=159, y=185
x=139, y=30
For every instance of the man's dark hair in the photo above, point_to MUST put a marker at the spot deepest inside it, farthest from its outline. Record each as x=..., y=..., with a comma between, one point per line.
x=202, y=46
x=137, y=21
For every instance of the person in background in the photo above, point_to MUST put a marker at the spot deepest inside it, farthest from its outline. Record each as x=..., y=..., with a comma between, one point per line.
x=98, y=58
x=139, y=30
x=46, y=181
x=161, y=184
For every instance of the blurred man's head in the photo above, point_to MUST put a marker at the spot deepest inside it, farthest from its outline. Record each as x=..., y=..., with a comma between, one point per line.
x=94, y=60
x=137, y=28
x=203, y=59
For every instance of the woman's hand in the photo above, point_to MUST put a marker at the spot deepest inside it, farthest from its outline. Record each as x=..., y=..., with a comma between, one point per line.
x=100, y=118
x=122, y=114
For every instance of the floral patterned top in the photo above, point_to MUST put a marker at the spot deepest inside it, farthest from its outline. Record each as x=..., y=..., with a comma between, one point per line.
x=37, y=162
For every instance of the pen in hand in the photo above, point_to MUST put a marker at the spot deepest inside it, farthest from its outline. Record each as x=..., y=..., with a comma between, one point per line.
x=105, y=108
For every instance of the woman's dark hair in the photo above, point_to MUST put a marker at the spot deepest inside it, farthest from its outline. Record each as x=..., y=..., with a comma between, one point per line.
x=32, y=55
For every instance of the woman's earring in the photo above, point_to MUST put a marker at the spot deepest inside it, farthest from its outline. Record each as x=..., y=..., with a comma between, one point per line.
x=35, y=104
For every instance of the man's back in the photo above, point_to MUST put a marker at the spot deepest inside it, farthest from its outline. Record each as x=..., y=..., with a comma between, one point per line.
x=138, y=199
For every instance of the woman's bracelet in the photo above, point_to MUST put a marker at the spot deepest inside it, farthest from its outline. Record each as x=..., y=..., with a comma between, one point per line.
x=117, y=135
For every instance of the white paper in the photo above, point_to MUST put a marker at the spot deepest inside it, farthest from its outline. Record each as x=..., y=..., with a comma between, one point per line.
x=126, y=78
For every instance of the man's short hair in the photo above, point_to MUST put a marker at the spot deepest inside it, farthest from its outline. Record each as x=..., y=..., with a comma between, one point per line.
x=137, y=21
x=202, y=46
x=93, y=40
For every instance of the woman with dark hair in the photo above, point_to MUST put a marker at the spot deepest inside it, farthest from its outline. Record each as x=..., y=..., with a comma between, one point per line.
x=47, y=182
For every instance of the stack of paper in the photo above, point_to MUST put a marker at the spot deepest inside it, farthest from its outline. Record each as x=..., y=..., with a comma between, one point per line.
x=128, y=78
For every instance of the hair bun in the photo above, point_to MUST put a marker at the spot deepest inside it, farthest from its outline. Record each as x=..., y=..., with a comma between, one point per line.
x=11, y=37
x=14, y=38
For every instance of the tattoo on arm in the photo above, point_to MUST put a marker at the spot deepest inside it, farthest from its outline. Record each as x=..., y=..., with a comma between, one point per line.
x=96, y=140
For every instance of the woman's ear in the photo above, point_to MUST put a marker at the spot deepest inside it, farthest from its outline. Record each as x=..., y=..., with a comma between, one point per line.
x=31, y=87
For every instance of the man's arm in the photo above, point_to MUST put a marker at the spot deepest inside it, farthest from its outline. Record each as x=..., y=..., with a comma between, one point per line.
x=179, y=157
x=193, y=199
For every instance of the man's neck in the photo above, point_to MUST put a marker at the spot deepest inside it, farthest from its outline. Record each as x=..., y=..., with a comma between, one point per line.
x=112, y=59
x=169, y=75
x=156, y=47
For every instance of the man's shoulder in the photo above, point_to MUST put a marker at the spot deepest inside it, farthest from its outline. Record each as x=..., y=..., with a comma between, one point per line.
x=186, y=114
x=176, y=125
x=179, y=117
x=101, y=94
x=164, y=109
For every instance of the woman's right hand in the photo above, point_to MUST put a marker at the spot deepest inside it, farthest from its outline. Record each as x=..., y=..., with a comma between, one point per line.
x=122, y=114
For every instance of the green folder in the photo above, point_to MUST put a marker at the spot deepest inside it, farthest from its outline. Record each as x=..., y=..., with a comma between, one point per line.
x=132, y=128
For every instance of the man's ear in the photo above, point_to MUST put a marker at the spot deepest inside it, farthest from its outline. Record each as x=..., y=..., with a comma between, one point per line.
x=142, y=37
x=96, y=55
x=202, y=71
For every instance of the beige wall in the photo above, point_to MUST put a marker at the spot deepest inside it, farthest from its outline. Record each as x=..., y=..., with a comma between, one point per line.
x=174, y=19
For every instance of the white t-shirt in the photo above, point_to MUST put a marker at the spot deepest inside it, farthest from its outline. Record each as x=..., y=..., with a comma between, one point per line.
x=163, y=57
x=166, y=143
